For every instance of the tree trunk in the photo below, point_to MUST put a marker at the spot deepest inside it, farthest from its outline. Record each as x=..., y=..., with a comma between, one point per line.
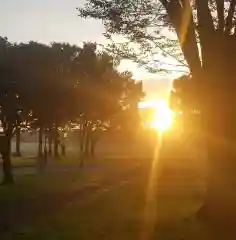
x=63, y=144
x=87, y=144
x=45, y=151
x=93, y=142
x=18, y=136
x=92, y=147
x=82, y=137
x=6, y=165
x=50, y=143
x=82, y=142
x=220, y=120
x=40, y=143
x=63, y=150
x=56, y=143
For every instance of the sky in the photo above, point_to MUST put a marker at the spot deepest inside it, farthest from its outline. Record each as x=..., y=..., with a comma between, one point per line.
x=52, y=20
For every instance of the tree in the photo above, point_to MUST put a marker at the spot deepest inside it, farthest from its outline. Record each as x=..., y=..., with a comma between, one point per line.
x=128, y=118
x=18, y=136
x=48, y=87
x=206, y=34
x=9, y=104
x=184, y=101
x=184, y=95
x=99, y=90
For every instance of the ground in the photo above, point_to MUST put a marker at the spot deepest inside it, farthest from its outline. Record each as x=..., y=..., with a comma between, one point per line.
x=120, y=196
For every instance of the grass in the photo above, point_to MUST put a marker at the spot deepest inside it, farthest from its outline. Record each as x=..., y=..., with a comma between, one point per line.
x=83, y=204
x=80, y=217
x=18, y=161
x=32, y=197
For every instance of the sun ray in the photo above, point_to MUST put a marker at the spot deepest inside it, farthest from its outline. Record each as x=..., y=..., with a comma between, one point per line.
x=161, y=120
x=150, y=211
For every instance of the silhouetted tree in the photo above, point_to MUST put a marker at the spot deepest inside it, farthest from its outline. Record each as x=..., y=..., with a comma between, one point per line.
x=206, y=34
x=18, y=136
x=9, y=103
x=48, y=86
x=99, y=88
x=102, y=93
x=128, y=118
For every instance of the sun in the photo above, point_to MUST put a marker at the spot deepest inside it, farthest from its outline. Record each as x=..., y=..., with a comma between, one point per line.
x=162, y=117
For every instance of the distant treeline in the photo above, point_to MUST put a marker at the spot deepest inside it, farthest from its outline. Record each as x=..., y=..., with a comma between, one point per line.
x=47, y=87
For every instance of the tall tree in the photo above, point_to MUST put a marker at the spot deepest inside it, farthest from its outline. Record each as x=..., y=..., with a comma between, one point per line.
x=99, y=88
x=18, y=136
x=48, y=86
x=129, y=117
x=9, y=104
x=206, y=34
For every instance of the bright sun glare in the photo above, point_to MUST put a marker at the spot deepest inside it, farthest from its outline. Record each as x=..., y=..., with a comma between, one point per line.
x=163, y=116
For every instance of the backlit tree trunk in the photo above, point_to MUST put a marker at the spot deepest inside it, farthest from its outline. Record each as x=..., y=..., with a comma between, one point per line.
x=82, y=136
x=93, y=142
x=45, y=150
x=50, y=142
x=219, y=118
x=87, y=143
x=6, y=157
x=40, y=142
x=56, y=143
x=63, y=150
x=215, y=78
x=18, y=138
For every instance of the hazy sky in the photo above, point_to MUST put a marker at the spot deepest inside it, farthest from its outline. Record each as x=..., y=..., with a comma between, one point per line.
x=54, y=20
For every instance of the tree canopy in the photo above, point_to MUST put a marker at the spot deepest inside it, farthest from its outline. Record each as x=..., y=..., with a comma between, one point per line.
x=49, y=86
x=183, y=95
x=143, y=22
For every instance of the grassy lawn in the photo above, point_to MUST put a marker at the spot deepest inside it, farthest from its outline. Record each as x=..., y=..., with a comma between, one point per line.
x=18, y=161
x=33, y=198
x=81, y=205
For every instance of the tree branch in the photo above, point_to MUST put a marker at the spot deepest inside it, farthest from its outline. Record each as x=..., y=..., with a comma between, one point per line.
x=220, y=13
x=205, y=27
x=229, y=18
x=205, y=21
x=182, y=20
